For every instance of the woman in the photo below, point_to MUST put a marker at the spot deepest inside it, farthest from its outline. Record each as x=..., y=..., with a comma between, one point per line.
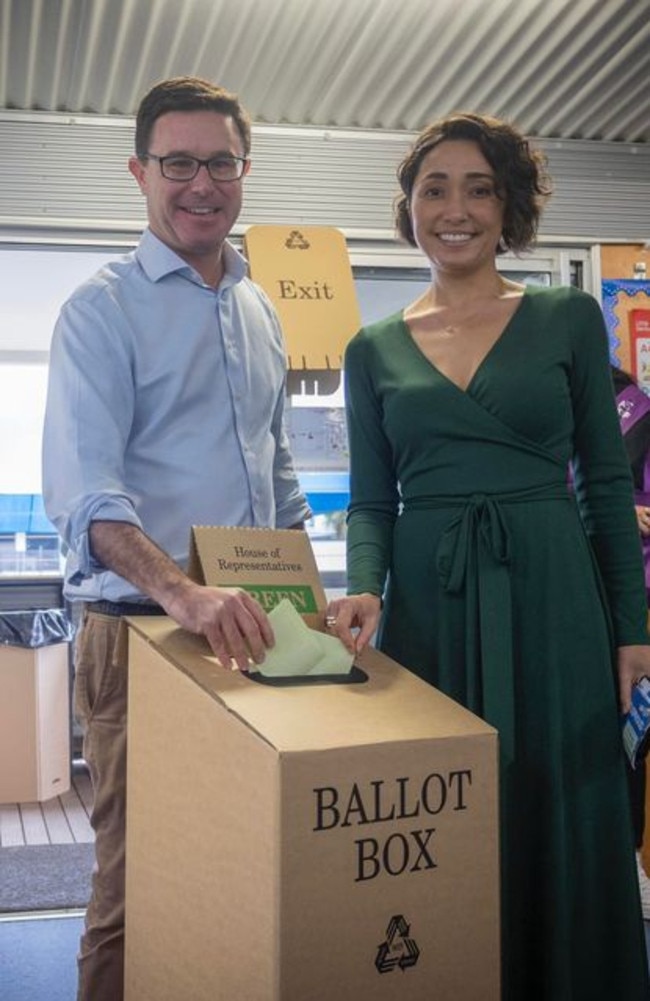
x=499, y=587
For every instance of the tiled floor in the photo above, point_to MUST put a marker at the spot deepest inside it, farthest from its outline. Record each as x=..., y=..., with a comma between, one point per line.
x=59, y=821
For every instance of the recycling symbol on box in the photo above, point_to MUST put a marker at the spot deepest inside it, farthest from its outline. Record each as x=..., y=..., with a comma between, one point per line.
x=398, y=951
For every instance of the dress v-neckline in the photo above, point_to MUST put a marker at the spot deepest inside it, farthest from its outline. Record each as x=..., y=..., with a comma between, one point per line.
x=493, y=347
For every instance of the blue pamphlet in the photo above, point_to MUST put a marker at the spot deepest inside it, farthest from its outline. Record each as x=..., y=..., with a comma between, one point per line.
x=636, y=723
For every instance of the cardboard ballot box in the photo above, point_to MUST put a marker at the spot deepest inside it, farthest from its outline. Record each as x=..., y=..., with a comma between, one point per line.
x=304, y=842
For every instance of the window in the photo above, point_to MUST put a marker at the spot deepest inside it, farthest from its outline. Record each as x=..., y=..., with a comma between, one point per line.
x=36, y=281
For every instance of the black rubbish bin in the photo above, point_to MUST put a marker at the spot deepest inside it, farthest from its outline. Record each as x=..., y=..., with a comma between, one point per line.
x=35, y=627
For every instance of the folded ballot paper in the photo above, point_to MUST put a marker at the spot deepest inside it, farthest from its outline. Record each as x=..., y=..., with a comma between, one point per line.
x=636, y=723
x=300, y=650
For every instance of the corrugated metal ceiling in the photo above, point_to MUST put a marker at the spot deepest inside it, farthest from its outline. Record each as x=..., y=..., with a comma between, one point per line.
x=567, y=69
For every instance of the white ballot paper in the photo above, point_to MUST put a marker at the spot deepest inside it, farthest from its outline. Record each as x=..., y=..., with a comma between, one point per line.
x=300, y=650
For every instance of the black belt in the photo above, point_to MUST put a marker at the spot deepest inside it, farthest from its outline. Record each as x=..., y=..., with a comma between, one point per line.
x=122, y=608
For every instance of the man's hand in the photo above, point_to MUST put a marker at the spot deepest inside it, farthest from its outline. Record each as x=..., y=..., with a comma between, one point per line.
x=234, y=624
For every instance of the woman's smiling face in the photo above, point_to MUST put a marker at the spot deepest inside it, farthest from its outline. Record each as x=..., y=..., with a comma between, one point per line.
x=456, y=213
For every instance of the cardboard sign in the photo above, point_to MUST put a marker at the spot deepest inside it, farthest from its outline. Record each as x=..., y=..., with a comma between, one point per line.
x=306, y=273
x=271, y=564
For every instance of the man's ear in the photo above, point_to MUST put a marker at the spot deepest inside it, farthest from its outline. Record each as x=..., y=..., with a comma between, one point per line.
x=137, y=168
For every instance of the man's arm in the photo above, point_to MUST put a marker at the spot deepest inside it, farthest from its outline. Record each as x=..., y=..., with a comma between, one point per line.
x=234, y=624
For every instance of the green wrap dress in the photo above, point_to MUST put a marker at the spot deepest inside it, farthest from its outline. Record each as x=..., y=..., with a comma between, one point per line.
x=509, y=591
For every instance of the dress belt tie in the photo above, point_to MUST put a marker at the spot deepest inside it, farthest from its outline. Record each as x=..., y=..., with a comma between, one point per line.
x=479, y=532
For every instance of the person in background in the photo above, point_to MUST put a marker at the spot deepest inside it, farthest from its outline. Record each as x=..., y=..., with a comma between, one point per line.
x=164, y=410
x=634, y=417
x=484, y=574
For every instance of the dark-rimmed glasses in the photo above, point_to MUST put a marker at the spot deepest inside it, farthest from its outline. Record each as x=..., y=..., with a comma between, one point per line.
x=185, y=168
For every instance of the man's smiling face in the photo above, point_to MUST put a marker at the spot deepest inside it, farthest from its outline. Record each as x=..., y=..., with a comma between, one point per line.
x=192, y=217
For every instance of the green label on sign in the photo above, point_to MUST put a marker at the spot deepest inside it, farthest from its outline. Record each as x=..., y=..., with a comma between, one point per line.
x=269, y=595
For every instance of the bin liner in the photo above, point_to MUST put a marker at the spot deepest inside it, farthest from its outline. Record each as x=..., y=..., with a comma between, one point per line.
x=35, y=628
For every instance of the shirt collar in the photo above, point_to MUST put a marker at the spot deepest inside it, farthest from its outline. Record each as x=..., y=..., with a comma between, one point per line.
x=158, y=260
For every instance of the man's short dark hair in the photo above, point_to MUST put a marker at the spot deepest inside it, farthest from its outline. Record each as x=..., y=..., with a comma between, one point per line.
x=188, y=93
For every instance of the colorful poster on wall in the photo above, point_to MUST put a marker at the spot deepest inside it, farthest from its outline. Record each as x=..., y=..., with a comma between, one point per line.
x=621, y=299
x=639, y=322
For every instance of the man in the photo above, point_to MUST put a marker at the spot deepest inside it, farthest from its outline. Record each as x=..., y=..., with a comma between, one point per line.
x=165, y=409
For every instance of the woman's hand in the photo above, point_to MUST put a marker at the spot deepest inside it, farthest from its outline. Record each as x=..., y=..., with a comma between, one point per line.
x=633, y=664
x=643, y=519
x=358, y=611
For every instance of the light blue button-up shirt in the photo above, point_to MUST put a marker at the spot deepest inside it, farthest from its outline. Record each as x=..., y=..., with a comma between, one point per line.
x=165, y=410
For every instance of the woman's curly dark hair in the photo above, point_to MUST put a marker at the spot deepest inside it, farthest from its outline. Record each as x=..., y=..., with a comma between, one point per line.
x=522, y=182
